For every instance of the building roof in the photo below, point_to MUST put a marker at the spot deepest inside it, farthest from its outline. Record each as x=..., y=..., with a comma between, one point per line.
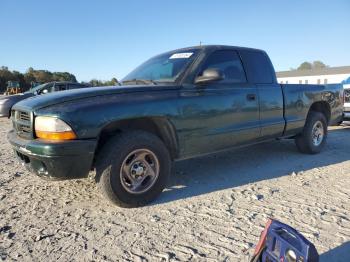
x=315, y=72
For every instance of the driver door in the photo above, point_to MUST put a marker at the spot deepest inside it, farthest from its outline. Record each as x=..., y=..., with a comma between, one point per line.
x=220, y=114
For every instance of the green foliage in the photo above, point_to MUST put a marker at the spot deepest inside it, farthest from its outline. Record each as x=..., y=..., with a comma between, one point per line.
x=112, y=82
x=319, y=64
x=31, y=75
x=314, y=65
x=42, y=76
x=305, y=66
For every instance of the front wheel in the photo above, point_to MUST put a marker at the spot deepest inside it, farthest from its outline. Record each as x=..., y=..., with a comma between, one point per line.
x=314, y=135
x=133, y=168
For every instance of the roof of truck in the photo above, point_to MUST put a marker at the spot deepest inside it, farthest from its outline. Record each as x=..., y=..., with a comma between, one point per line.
x=217, y=47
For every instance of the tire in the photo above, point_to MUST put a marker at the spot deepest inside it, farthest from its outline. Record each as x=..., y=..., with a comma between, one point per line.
x=121, y=154
x=307, y=142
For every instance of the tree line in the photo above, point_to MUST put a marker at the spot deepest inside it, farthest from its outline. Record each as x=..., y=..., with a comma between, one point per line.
x=311, y=65
x=95, y=82
x=32, y=76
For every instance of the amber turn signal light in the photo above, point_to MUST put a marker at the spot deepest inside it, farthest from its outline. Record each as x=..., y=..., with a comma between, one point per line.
x=67, y=135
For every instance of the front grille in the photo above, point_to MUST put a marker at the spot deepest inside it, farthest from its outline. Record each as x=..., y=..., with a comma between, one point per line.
x=347, y=95
x=22, y=123
x=25, y=116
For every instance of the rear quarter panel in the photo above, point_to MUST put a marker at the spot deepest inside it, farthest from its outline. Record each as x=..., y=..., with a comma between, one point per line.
x=299, y=99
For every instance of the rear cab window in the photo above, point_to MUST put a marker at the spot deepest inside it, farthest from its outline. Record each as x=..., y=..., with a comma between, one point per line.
x=258, y=67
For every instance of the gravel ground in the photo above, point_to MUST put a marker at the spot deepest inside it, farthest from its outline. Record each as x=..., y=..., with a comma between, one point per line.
x=213, y=210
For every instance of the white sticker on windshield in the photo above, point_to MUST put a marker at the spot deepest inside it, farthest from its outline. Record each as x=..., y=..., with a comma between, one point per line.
x=180, y=55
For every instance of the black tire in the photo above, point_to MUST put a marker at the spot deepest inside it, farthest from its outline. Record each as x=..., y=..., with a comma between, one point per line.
x=304, y=141
x=114, y=154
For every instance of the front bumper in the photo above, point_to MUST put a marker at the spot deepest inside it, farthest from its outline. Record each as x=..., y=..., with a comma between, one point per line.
x=57, y=160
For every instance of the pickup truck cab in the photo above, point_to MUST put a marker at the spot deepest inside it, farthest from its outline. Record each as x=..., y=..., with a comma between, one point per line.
x=180, y=104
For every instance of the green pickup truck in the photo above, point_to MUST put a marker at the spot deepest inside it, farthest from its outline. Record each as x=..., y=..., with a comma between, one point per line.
x=180, y=104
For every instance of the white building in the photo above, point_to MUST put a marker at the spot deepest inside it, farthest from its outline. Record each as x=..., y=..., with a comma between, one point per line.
x=328, y=75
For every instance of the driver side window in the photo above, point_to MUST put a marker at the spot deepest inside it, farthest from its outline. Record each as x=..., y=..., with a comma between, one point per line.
x=229, y=63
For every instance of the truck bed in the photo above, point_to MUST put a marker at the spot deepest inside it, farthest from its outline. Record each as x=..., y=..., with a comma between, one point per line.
x=298, y=98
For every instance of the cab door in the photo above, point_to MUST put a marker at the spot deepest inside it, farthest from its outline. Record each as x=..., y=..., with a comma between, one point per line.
x=260, y=72
x=223, y=113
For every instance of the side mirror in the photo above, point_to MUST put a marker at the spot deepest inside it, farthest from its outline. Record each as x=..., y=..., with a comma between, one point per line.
x=209, y=75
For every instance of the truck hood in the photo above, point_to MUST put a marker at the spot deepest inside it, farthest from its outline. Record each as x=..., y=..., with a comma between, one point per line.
x=51, y=99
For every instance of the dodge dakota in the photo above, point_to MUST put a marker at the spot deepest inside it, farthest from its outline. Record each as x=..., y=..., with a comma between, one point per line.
x=177, y=105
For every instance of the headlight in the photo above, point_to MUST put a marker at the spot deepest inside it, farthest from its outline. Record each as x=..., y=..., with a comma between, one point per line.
x=52, y=128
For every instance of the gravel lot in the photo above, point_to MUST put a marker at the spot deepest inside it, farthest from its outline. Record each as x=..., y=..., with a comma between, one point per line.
x=213, y=210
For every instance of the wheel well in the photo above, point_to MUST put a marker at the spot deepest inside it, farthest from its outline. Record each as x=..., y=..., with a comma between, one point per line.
x=322, y=107
x=158, y=126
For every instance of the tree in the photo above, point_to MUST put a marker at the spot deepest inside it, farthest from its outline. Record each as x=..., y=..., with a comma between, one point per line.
x=5, y=75
x=63, y=76
x=318, y=64
x=43, y=76
x=31, y=75
x=314, y=65
x=112, y=82
x=305, y=66
x=95, y=82
x=30, y=70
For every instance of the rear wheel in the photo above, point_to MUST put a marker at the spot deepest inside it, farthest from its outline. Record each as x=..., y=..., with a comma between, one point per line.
x=133, y=168
x=314, y=135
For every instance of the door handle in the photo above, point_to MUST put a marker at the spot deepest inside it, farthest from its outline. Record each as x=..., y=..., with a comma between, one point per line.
x=251, y=97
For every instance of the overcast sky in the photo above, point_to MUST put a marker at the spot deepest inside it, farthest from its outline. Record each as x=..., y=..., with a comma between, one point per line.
x=105, y=39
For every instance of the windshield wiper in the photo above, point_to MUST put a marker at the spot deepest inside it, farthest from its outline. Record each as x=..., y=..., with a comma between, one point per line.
x=141, y=81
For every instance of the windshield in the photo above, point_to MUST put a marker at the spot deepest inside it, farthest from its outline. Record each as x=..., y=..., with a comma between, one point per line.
x=36, y=89
x=163, y=68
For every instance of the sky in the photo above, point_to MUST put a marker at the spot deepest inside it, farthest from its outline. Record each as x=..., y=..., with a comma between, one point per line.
x=104, y=39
